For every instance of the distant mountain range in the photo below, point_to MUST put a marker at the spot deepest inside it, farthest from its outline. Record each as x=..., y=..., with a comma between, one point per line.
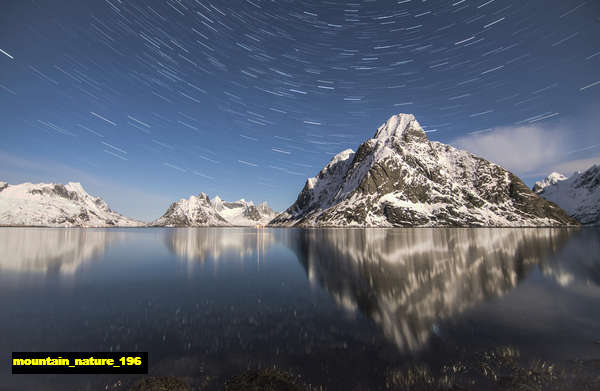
x=201, y=211
x=578, y=195
x=399, y=178
x=56, y=205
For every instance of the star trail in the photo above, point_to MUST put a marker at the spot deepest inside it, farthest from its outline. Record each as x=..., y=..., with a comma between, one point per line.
x=249, y=98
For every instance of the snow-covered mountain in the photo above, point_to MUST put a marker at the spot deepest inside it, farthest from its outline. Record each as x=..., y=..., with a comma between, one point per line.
x=550, y=180
x=578, y=195
x=201, y=211
x=56, y=205
x=242, y=212
x=400, y=178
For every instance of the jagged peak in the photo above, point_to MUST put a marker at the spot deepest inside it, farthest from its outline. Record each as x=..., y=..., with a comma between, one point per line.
x=556, y=176
x=76, y=187
x=203, y=196
x=400, y=126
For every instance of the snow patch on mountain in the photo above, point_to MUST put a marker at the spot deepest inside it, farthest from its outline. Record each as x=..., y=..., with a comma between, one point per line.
x=56, y=205
x=245, y=213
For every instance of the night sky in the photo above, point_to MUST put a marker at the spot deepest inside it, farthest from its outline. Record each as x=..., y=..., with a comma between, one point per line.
x=145, y=102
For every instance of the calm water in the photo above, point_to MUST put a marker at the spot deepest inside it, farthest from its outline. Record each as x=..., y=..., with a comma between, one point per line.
x=340, y=307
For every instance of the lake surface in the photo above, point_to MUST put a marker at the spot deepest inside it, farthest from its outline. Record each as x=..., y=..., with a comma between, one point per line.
x=340, y=307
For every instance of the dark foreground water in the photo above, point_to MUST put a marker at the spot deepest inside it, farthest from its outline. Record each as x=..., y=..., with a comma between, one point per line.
x=342, y=308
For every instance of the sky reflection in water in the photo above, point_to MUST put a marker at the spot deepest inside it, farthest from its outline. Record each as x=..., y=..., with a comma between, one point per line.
x=213, y=301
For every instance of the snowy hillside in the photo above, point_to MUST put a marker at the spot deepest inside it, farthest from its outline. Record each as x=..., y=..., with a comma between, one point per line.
x=56, y=205
x=578, y=195
x=400, y=178
x=198, y=211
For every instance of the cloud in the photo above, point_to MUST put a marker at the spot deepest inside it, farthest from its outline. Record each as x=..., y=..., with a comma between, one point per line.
x=572, y=166
x=520, y=149
x=535, y=150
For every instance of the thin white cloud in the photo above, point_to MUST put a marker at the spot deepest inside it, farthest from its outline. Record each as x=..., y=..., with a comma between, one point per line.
x=569, y=167
x=535, y=150
x=522, y=149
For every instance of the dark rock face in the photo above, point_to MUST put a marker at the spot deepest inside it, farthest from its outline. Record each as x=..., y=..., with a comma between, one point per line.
x=263, y=380
x=232, y=205
x=400, y=217
x=536, y=206
x=165, y=383
x=83, y=215
x=252, y=213
x=399, y=178
x=590, y=179
x=59, y=190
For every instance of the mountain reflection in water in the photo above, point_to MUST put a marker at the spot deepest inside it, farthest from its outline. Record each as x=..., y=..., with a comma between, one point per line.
x=228, y=299
x=407, y=280
x=51, y=251
x=200, y=244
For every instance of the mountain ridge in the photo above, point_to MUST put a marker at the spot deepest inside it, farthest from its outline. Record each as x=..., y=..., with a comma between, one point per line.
x=201, y=211
x=578, y=195
x=56, y=205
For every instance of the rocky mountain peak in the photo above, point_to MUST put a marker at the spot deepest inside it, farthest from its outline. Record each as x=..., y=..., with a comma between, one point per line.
x=400, y=178
x=217, y=203
x=76, y=187
x=401, y=126
x=204, y=197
